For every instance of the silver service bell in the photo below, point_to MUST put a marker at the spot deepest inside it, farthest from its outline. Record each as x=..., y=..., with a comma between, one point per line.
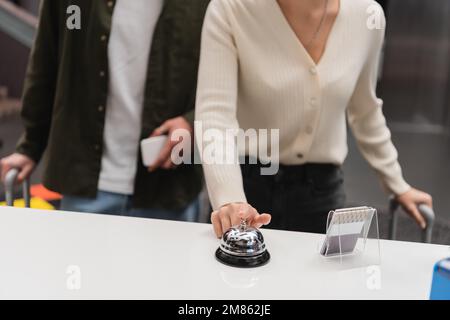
x=243, y=246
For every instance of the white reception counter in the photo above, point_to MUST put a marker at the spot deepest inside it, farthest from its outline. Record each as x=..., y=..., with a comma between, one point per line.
x=77, y=256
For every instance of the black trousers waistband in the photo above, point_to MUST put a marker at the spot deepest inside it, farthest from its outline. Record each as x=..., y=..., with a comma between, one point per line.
x=298, y=197
x=288, y=173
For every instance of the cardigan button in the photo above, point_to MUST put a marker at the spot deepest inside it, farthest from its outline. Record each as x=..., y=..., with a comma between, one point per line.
x=313, y=71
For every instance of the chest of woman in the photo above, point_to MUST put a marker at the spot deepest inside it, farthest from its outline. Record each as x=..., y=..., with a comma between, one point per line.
x=271, y=71
x=274, y=65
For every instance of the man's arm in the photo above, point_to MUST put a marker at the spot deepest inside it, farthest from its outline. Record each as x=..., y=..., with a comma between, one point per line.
x=40, y=83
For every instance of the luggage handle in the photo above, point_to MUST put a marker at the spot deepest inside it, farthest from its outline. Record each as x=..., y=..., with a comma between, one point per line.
x=424, y=210
x=10, y=182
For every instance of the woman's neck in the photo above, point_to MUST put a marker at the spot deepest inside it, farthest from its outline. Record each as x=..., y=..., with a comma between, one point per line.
x=303, y=7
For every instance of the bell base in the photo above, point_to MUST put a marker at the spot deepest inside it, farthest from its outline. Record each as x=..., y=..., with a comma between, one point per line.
x=242, y=262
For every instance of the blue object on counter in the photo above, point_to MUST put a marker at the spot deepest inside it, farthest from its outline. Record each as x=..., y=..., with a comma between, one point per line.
x=440, y=288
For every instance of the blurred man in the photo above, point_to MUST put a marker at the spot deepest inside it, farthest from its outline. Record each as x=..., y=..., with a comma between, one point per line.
x=102, y=76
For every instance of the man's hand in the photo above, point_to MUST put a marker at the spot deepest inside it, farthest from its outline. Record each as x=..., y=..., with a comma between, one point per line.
x=410, y=200
x=17, y=161
x=169, y=127
x=232, y=214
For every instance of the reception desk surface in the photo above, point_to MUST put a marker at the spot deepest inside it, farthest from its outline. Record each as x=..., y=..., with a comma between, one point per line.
x=59, y=255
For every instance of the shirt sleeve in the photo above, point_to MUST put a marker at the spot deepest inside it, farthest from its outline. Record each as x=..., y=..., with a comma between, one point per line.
x=369, y=126
x=40, y=82
x=216, y=107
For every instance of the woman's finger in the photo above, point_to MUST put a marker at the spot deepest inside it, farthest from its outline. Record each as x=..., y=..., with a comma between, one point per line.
x=428, y=200
x=235, y=220
x=215, y=220
x=414, y=212
x=252, y=215
x=262, y=220
x=225, y=219
x=246, y=212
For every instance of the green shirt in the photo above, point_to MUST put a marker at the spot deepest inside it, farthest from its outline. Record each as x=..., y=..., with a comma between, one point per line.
x=66, y=88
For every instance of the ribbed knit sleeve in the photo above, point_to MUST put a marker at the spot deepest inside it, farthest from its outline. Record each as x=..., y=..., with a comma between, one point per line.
x=368, y=123
x=216, y=105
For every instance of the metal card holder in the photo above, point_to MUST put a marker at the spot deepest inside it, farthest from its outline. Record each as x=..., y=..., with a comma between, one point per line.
x=352, y=237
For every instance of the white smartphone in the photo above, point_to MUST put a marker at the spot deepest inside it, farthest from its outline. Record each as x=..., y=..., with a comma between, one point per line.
x=151, y=148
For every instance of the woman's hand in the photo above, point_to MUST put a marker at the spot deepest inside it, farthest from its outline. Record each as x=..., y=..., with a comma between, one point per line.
x=410, y=201
x=232, y=214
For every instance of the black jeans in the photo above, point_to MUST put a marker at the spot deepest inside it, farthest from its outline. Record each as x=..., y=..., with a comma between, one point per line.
x=299, y=198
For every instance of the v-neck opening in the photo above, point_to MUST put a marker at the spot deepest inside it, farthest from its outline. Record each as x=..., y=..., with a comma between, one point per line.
x=300, y=43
